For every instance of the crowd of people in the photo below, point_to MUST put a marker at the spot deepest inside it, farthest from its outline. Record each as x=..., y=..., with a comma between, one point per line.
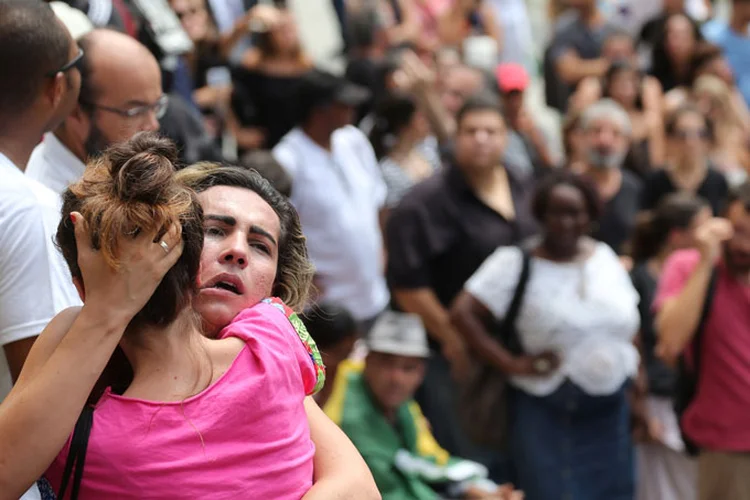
x=228, y=272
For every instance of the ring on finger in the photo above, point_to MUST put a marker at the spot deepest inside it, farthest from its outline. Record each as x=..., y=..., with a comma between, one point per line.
x=542, y=366
x=164, y=246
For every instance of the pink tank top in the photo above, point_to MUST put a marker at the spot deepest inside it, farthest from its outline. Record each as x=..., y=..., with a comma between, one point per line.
x=245, y=436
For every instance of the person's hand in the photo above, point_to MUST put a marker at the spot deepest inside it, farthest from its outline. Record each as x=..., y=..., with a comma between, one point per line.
x=652, y=96
x=262, y=17
x=416, y=72
x=644, y=428
x=504, y=492
x=467, y=6
x=523, y=123
x=539, y=365
x=627, y=262
x=508, y=492
x=588, y=92
x=710, y=236
x=143, y=263
x=454, y=350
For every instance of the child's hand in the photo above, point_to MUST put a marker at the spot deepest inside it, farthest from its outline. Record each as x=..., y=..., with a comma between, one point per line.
x=143, y=264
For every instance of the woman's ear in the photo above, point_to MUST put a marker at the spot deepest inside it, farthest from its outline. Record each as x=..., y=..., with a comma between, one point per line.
x=79, y=123
x=78, y=283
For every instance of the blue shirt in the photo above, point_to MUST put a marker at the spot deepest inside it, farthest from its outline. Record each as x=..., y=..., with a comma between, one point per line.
x=737, y=51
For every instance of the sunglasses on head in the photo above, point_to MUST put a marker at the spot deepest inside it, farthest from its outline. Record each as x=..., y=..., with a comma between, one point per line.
x=73, y=63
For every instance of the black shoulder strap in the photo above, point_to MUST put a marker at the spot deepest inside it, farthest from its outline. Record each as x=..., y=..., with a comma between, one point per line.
x=77, y=453
x=508, y=325
x=697, y=345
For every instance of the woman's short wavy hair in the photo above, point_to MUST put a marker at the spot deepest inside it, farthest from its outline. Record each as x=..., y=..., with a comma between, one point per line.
x=294, y=272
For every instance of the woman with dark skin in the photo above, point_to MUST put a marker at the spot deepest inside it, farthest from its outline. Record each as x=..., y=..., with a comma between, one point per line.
x=569, y=414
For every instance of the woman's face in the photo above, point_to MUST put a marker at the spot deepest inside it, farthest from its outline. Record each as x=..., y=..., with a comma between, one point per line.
x=680, y=38
x=284, y=35
x=623, y=88
x=690, y=137
x=194, y=17
x=240, y=254
x=566, y=220
x=419, y=126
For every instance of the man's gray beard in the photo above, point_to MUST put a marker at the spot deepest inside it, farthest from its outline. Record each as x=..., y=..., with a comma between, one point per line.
x=605, y=161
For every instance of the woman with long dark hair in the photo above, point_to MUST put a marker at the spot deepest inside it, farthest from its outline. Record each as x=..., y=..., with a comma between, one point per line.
x=401, y=139
x=672, y=55
x=264, y=84
x=665, y=471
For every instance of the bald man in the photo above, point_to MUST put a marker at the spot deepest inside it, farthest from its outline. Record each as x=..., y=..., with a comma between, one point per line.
x=121, y=95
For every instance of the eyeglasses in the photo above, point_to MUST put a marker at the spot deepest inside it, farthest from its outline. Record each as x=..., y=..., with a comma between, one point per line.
x=73, y=63
x=684, y=135
x=189, y=12
x=159, y=108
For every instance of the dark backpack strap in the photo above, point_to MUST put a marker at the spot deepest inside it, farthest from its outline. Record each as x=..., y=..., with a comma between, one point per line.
x=697, y=343
x=688, y=374
x=508, y=325
x=77, y=454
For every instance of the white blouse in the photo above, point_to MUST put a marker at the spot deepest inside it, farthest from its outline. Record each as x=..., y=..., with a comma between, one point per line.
x=586, y=312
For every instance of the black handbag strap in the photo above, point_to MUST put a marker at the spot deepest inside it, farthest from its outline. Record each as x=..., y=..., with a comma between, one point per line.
x=77, y=454
x=508, y=324
x=697, y=345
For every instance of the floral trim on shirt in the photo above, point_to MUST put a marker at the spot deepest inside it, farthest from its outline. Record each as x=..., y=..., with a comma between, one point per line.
x=307, y=341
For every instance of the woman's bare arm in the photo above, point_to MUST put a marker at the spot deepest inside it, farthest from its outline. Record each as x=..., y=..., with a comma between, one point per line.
x=40, y=412
x=38, y=415
x=340, y=471
x=491, y=25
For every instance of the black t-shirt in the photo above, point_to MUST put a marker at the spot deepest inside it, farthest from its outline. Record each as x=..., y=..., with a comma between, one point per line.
x=714, y=189
x=637, y=160
x=661, y=378
x=571, y=33
x=265, y=101
x=618, y=217
x=441, y=233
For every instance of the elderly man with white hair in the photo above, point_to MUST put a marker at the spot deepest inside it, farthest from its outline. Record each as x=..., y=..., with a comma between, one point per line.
x=607, y=130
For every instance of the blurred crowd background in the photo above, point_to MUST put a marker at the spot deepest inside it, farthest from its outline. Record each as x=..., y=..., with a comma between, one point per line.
x=505, y=201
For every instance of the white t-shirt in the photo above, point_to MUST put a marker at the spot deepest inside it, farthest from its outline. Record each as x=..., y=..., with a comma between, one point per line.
x=35, y=282
x=338, y=196
x=585, y=312
x=54, y=165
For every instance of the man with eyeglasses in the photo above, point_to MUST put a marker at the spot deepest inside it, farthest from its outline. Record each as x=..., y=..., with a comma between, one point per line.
x=121, y=95
x=39, y=86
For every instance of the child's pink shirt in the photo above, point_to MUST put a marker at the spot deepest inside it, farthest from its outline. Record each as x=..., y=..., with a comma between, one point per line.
x=245, y=436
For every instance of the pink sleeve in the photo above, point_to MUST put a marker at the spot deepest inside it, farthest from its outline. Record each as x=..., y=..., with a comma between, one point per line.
x=281, y=326
x=675, y=274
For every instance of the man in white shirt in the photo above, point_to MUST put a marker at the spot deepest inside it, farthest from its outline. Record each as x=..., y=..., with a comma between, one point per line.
x=121, y=95
x=40, y=85
x=338, y=191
